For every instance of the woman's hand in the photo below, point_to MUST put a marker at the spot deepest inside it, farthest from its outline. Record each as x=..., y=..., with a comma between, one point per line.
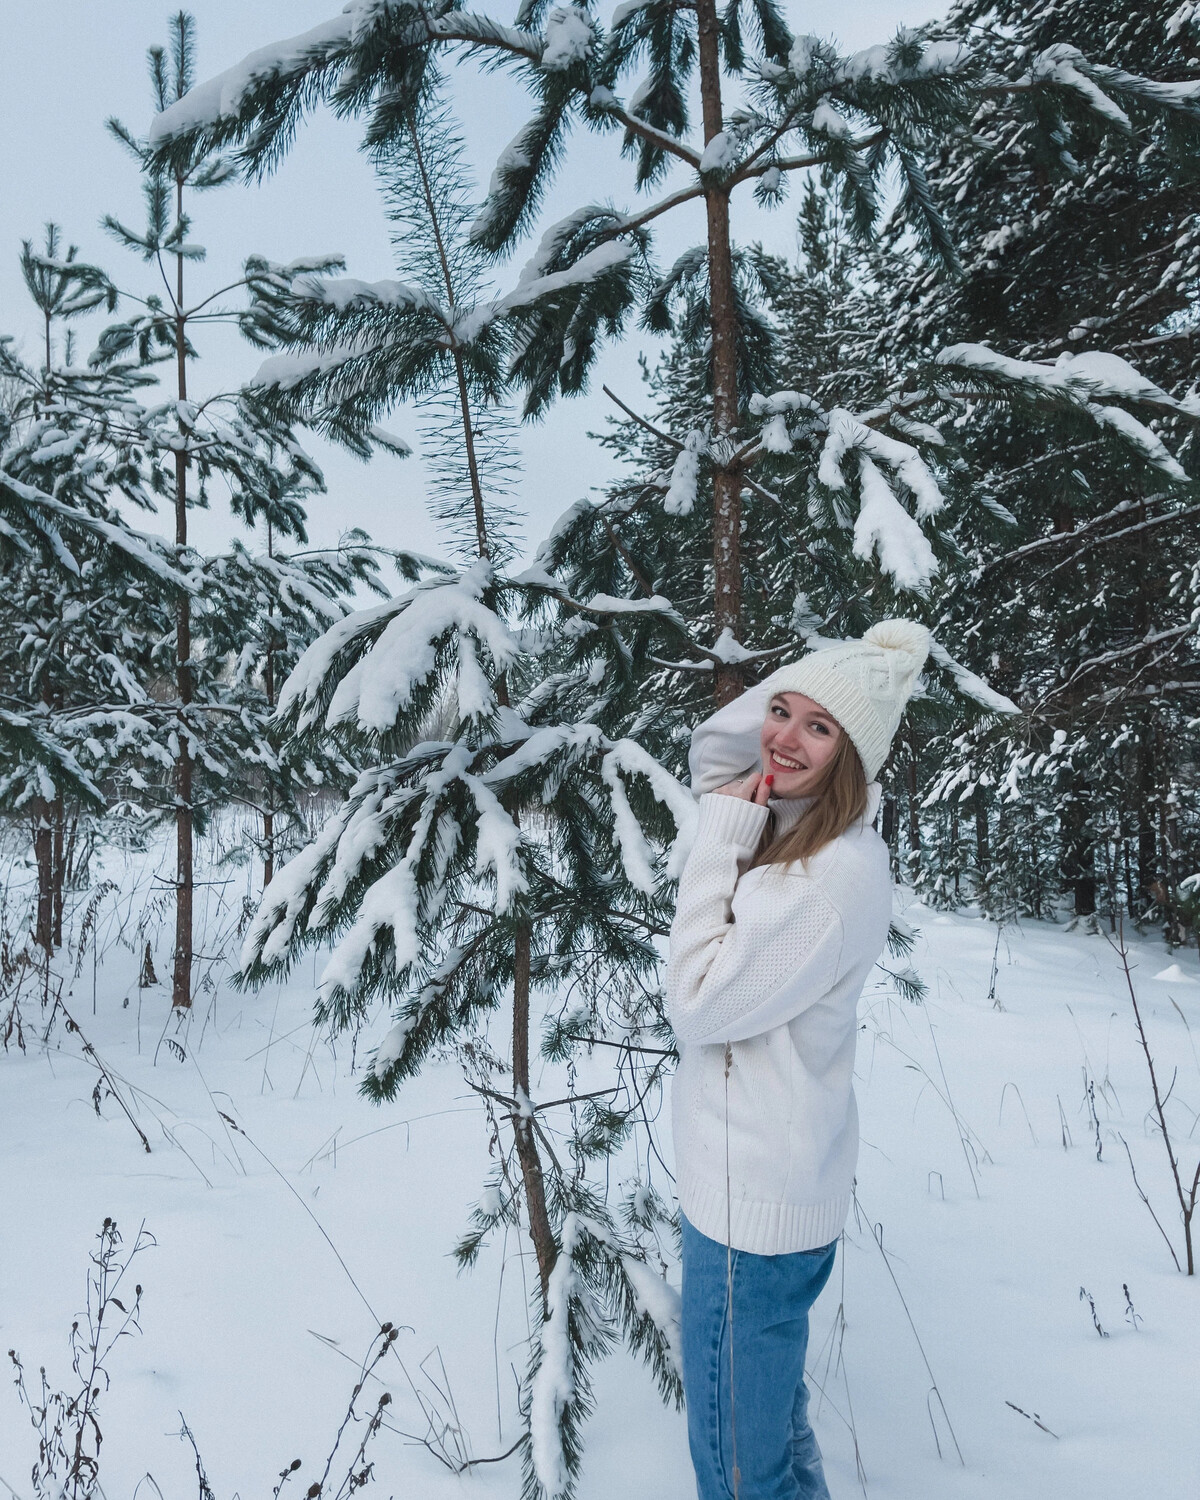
x=755, y=788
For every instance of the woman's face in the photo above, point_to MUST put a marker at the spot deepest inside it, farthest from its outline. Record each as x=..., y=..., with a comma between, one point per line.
x=798, y=741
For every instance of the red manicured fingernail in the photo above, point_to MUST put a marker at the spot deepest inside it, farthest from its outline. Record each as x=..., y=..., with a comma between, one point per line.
x=770, y=780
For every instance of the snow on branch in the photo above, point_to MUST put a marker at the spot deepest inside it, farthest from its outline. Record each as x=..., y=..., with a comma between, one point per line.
x=596, y=263
x=720, y=155
x=481, y=31
x=774, y=436
x=1085, y=380
x=286, y=898
x=601, y=604
x=379, y=686
x=302, y=692
x=286, y=371
x=568, y=38
x=342, y=292
x=569, y=1325
x=393, y=901
x=558, y=236
x=970, y=684
x=1066, y=66
x=635, y=852
x=497, y=842
x=147, y=551
x=552, y=1388
x=364, y=825
x=416, y=626
x=680, y=499
x=226, y=95
x=628, y=756
x=846, y=432
x=655, y=1298
x=884, y=526
x=826, y=120
x=572, y=741
x=889, y=62
x=1140, y=437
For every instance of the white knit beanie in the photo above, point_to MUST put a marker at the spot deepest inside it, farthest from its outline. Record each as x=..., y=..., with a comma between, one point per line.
x=864, y=684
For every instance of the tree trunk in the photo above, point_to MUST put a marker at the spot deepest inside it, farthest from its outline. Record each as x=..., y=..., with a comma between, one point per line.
x=1147, y=841
x=983, y=856
x=181, y=983
x=1179, y=932
x=728, y=678
x=43, y=854
x=887, y=828
x=1078, y=854
x=269, y=683
x=527, y=1152
x=58, y=869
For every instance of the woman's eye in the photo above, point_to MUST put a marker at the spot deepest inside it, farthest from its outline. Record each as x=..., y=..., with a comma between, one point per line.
x=819, y=727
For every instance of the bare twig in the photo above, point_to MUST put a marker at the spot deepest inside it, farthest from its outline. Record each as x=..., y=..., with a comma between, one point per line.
x=1185, y=1195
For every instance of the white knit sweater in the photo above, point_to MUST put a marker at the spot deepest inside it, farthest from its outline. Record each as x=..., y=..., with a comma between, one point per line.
x=772, y=961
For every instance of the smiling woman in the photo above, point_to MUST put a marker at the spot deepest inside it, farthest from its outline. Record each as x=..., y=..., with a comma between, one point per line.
x=784, y=907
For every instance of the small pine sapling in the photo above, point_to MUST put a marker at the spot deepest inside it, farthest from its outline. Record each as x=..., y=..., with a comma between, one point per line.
x=493, y=852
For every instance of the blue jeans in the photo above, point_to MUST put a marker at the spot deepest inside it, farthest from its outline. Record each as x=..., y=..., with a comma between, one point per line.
x=777, y=1453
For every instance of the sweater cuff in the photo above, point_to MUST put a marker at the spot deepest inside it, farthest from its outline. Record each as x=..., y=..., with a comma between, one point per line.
x=731, y=820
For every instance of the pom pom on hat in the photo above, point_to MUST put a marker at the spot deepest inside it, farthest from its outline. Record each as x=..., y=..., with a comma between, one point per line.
x=863, y=683
x=900, y=635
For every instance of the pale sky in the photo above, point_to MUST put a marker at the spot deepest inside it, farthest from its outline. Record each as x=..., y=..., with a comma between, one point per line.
x=66, y=67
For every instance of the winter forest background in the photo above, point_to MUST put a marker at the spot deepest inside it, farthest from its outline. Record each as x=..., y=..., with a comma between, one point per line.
x=381, y=504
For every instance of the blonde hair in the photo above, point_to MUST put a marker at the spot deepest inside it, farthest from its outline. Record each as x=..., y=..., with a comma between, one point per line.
x=840, y=798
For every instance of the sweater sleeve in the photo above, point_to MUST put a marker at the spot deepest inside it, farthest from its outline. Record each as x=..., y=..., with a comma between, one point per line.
x=729, y=978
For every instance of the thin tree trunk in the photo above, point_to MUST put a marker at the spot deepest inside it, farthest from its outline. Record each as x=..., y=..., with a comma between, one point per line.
x=1078, y=852
x=914, y=815
x=527, y=1152
x=728, y=678
x=181, y=984
x=269, y=812
x=43, y=854
x=1171, y=861
x=982, y=843
x=269, y=683
x=526, y=1142
x=58, y=868
x=482, y=543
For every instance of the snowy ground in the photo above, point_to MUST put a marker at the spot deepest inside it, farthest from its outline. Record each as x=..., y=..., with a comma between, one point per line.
x=250, y=1321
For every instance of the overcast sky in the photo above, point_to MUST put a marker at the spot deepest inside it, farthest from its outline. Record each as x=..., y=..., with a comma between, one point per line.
x=66, y=67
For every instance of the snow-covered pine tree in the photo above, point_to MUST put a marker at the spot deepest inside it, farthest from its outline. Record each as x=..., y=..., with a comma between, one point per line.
x=189, y=443
x=85, y=595
x=492, y=854
x=800, y=104
x=262, y=608
x=1079, y=241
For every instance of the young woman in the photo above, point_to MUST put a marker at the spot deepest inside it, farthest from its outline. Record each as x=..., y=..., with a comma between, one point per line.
x=784, y=907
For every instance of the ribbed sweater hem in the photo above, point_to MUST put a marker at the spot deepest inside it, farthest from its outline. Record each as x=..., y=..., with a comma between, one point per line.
x=761, y=1228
